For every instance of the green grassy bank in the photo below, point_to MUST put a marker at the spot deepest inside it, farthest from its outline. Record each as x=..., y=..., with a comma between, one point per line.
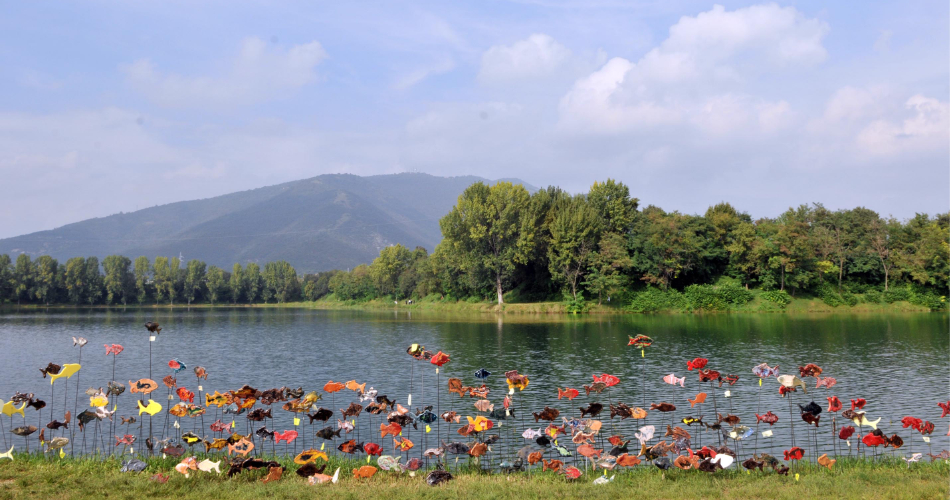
x=93, y=479
x=806, y=305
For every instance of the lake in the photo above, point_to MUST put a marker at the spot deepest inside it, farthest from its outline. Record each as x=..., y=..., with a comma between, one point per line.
x=898, y=363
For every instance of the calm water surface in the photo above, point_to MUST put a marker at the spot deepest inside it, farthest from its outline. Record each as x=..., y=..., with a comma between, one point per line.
x=899, y=363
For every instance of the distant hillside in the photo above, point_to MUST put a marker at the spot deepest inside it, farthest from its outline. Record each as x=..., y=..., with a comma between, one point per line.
x=334, y=221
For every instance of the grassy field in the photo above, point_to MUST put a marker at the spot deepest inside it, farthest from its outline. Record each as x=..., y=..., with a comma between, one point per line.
x=36, y=477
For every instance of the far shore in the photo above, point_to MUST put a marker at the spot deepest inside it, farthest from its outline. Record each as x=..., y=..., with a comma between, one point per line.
x=797, y=306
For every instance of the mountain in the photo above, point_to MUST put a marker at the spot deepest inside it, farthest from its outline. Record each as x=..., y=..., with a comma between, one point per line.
x=334, y=221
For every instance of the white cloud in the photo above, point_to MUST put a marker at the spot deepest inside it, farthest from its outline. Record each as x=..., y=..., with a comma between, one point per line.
x=414, y=77
x=258, y=73
x=925, y=129
x=698, y=70
x=537, y=56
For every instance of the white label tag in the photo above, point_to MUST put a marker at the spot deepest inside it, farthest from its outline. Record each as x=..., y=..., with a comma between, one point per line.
x=767, y=433
x=926, y=439
x=410, y=400
x=151, y=338
x=200, y=389
x=511, y=391
x=728, y=394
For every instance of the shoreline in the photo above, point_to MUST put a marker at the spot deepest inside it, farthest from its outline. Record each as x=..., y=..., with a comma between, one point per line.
x=758, y=306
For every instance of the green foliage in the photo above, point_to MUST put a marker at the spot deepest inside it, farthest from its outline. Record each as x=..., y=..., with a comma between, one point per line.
x=653, y=299
x=354, y=285
x=502, y=241
x=873, y=296
x=575, y=305
x=779, y=297
x=829, y=296
x=491, y=230
x=716, y=298
x=897, y=295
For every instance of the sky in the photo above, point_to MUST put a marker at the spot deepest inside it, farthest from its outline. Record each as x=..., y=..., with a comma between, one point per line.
x=108, y=107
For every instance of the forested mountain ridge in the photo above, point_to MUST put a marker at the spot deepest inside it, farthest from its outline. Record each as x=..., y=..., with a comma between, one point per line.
x=334, y=221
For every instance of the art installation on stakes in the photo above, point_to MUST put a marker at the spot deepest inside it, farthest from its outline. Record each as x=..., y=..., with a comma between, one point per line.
x=563, y=437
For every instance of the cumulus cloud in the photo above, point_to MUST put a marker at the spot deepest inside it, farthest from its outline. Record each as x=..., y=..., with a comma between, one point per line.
x=259, y=72
x=701, y=68
x=924, y=129
x=537, y=56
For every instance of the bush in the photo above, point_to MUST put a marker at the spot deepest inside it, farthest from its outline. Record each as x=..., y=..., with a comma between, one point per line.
x=575, y=306
x=921, y=296
x=716, y=298
x=654, y=299
x=473, y=300
x=829, y=296
x=849, y=298
x=779, y=297
x=896, y=295
x=872, y=296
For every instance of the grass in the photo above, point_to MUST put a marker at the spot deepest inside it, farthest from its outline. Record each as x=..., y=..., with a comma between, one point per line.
x=800, y=305
x=37, y=477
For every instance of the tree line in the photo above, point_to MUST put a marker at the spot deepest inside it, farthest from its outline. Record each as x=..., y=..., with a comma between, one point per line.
x=502, y=243
x=119, y=280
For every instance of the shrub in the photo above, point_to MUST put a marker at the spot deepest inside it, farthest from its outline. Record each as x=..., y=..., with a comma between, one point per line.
x=896, y=295
x=872, y=296
x=654, y=299
x=575, y=306
x=779, y=297
x=829, y=296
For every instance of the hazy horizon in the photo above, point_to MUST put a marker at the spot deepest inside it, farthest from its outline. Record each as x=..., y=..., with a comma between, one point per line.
x=112, y=107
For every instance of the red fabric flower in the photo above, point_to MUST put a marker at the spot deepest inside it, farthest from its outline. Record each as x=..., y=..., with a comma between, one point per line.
x=440, y=358
x=834, y=404
x=872, y=439
x=912, y=422
x=795, y=453
x=845, y=432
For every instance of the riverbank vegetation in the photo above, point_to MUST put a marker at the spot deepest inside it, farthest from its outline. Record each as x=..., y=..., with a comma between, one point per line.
x=594, y=252
x=88, y=479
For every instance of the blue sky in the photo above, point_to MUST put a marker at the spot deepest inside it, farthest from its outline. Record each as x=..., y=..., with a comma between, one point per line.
x=116, y=106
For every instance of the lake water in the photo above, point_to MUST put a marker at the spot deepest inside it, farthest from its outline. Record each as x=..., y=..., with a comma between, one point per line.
x=899, y=363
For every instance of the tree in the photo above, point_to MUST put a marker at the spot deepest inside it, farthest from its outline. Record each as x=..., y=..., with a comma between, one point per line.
x=280, y=281
x=925, y=257
x=663, y=246
x=23, y=275
x=6, y=278
x=176, y=279
x=252, y=282
x=142, y=272
x=388, y=267
x=605, y=274
x=119, y=280
x=575, y=231
x=94, y=285
x=75, y=280
x=217, y=285
x=612, y=202
x=236, y=283
x=194, y=279
x=354, y=285
x=883, y=243
x=743, y=253
x=162, y=278
x=45, y=285
x=491, y=229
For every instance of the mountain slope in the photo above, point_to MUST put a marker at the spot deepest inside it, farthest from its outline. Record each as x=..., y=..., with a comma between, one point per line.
x=325, y=222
